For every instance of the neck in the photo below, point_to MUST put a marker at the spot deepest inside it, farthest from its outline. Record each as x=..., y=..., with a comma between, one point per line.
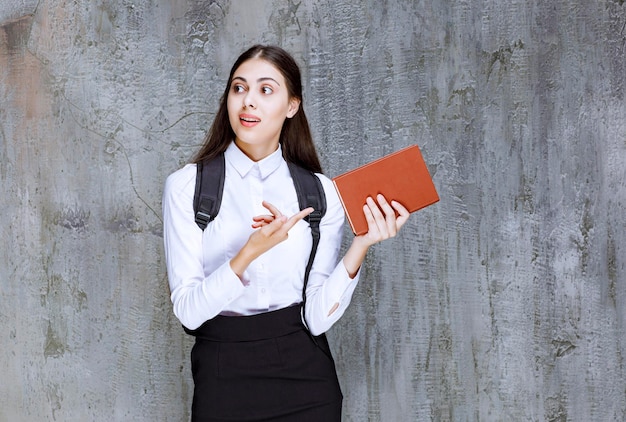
x=256, y=152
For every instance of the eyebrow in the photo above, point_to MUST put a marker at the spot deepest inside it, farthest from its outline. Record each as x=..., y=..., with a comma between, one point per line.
x=258, y=80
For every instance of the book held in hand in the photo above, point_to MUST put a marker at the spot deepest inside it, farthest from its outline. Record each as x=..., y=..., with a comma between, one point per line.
x=401, y=176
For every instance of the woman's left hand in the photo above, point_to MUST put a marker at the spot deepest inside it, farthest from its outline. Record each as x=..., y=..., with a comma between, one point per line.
x=382, y=220
x=382, y=224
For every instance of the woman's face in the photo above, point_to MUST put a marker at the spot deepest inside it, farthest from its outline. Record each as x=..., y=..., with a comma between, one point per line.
x=258, y=103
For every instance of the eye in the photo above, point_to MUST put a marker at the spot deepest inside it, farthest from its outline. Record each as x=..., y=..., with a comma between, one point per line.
x=238, y=88
x=267, y=90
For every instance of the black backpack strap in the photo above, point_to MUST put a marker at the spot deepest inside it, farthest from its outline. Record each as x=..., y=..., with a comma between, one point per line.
x=310, y=194
x=207, y=199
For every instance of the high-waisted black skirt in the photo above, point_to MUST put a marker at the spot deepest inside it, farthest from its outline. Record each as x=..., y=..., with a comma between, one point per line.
x=264, y=367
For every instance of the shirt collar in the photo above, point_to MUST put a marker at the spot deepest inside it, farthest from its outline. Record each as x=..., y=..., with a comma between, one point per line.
x=243, y=164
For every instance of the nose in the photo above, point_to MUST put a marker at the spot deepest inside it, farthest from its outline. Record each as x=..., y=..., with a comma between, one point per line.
x=249, y=100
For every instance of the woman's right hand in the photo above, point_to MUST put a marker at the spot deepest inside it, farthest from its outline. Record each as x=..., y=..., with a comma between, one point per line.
x=272, y=229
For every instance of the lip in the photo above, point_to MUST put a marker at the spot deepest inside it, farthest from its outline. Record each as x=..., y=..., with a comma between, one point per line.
x=249, y=120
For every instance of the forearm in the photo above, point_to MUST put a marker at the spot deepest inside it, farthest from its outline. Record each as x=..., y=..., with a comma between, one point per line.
x=355, y=255
x=240, y=262
x=198, y=299
x=380, y=227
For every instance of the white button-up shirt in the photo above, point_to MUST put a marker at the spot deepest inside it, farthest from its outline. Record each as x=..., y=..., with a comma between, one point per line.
x=202, y=283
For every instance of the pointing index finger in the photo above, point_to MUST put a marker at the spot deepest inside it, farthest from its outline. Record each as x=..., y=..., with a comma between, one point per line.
x=297, y=217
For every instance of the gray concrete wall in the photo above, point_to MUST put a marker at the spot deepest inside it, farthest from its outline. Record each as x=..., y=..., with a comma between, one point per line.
x=505, y=301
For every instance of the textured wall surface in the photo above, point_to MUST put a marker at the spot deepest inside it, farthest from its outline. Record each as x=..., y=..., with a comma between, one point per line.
x=505, y=301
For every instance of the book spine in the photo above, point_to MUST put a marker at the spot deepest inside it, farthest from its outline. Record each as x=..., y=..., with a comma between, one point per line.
x=344, y=208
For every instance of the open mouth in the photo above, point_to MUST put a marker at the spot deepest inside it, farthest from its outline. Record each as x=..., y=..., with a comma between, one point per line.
x=248, y=120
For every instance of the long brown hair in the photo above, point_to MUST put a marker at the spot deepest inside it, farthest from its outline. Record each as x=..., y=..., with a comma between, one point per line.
x=295, y=136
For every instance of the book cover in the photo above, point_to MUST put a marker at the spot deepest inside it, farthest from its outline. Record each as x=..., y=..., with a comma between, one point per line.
x=401, y=176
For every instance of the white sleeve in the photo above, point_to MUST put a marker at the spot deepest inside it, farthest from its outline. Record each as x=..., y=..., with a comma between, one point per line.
x=196, y=297
x=329, y=282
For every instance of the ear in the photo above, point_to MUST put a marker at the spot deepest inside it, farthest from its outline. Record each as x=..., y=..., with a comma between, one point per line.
x=294, y=106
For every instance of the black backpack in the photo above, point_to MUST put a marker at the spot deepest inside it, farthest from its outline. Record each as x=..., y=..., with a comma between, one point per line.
x=210, y=186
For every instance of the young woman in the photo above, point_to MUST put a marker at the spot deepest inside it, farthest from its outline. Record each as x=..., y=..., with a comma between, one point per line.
x=238, y=284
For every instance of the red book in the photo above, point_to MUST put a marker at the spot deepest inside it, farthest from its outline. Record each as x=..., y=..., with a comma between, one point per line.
x=401, y=176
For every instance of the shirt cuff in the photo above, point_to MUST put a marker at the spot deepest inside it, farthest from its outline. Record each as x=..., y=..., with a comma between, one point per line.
x=233, y=285
x=342, y=286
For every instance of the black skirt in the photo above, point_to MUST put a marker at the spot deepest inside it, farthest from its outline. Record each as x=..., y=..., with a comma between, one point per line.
x=264, y=367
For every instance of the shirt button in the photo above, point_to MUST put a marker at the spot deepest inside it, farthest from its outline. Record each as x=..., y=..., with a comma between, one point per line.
x=263, y=290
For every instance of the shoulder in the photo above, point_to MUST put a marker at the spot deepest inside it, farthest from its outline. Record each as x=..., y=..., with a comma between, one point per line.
x=332, y=198
x=334, y=218
x=181, y=181
x=326, y=182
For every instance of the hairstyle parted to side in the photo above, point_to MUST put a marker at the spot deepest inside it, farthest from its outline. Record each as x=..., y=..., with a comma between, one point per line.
x=295, y=136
